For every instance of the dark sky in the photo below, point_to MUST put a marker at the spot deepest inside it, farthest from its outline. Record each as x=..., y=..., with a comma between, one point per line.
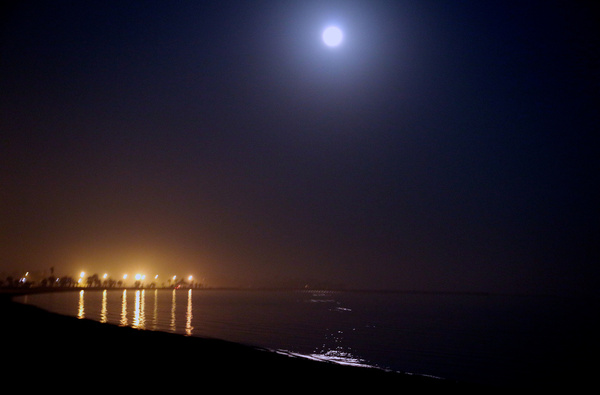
x=443, y=146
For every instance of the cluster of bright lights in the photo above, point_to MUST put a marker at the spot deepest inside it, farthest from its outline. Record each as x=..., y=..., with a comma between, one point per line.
x=137, y=277
x=84, y=279
x=23, y=279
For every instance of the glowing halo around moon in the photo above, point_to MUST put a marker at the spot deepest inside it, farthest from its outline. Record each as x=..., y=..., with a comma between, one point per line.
x=332, y=36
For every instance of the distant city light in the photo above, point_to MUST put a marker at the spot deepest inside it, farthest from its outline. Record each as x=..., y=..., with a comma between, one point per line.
x=104, y=279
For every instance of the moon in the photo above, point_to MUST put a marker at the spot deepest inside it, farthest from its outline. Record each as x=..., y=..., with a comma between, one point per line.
x=332, y=36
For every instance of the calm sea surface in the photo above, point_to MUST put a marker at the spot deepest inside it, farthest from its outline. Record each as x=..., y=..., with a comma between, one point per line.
x=492, y=339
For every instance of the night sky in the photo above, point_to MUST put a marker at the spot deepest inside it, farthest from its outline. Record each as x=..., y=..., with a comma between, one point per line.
x=444, y=145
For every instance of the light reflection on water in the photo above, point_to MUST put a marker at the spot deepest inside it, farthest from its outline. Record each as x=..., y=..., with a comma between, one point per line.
x=173, y=325
x=123, y=321
x=138, y=317
x=139, y=314
x=155, y=311
x=103, y=316
x=81, y=309
x=188, y=316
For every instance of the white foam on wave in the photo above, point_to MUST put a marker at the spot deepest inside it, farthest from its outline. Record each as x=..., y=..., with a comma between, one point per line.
x=337, y=357
x=341, y=358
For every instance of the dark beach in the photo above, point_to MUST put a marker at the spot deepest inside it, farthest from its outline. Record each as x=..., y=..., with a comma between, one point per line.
x=48, y=348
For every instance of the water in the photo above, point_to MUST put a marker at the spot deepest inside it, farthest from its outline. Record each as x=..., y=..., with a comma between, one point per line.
x=490, y=339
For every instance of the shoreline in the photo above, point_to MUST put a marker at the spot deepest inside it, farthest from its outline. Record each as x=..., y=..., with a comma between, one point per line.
x=87, y=348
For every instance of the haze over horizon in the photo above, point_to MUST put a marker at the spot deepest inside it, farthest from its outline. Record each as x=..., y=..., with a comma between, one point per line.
x=441, y=146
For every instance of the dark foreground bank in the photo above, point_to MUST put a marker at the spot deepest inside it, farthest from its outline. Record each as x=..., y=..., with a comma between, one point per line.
x=50, y=350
